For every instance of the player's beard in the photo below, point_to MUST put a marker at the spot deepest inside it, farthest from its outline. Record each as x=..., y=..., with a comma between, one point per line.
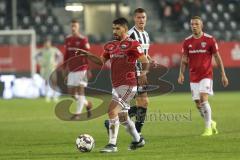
x=116, y=37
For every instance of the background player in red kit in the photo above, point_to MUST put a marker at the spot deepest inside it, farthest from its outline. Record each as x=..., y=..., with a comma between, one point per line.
x=198, y=50
x=123, y=53
x=78, y=66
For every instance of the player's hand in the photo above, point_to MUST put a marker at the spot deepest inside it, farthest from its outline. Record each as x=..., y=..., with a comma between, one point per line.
x=224, y=81
x=180, y=78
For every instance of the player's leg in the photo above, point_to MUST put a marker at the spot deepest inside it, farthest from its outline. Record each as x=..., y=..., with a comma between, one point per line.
x=205, y=107
x=205, y=89
x=125, y=120
x=75, y=91
x=54, y=87
x=80, y=97
x=198, y=105
x=142, y=104
x=83, y=83
x=77, y=83
x=47, y=92
x=197, y=98
x=113, y=111
x=127, y=93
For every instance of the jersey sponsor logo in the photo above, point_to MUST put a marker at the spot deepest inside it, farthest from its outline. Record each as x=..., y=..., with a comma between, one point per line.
x=72, y=48
x=198, y=51
x=203, y=44
x=117, y=56
x=77, y=43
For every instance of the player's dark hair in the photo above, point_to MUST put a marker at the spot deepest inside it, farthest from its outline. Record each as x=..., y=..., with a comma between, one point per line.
x=139, y=10
x=121, y=21
x=196, y=17
x=74, y=21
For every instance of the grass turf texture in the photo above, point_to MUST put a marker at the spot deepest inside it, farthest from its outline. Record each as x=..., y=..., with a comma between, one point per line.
x=30, y=130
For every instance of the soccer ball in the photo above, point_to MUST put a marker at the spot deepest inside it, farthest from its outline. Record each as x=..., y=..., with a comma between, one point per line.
x=85, y=143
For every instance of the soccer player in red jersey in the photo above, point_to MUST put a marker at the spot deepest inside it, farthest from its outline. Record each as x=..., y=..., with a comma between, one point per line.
x=198, y=50
x=122, y=53
x=78, y=67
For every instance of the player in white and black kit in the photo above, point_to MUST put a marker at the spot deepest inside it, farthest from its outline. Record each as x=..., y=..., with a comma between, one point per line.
x=138, y=33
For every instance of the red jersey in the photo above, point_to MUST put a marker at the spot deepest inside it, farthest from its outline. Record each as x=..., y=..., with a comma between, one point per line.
x=199, y=52
x=72, y=43
x=123, y=55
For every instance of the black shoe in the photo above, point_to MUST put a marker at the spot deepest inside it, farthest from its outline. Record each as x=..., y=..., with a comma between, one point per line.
x=135, y=145
x=109, y=148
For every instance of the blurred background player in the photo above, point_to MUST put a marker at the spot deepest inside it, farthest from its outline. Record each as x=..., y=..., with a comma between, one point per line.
x=138, y=33
x=78, y=68
x=123, y=53
x=198, y=50
x=48, y=59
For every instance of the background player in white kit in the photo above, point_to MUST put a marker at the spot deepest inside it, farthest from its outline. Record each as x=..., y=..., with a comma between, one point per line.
x=198, y=50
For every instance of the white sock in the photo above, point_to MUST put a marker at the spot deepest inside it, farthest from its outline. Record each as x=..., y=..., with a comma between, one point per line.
x=49, y=91
x=131, y=129
x=206, y=109
x=80, y=104
x=113, y=130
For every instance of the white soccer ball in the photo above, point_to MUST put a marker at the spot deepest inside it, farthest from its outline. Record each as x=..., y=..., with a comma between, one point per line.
x=85, y=143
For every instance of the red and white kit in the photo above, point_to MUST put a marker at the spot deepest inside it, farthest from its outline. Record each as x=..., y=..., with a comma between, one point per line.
x=123, y=55
x=77, y=64
x=199, y=52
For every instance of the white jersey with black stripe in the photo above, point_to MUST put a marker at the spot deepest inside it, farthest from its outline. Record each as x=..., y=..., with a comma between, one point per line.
x=141, y=37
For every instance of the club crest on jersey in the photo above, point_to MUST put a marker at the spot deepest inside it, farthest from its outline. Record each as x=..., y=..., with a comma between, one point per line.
x=203, y=44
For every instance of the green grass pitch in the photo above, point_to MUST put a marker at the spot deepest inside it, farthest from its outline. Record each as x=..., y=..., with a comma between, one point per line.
x=29, y=129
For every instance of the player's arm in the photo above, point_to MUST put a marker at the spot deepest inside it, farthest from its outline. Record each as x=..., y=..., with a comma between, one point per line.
x=183, y=65
x=91, y=56
x=219, y=62
x=150, y=59
x=142, y=80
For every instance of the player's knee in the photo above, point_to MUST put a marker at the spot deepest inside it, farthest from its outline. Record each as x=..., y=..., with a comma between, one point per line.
x=197, y=102
x=203, y=97
x=143, y=101
x=112, y=114
x=123, y=117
